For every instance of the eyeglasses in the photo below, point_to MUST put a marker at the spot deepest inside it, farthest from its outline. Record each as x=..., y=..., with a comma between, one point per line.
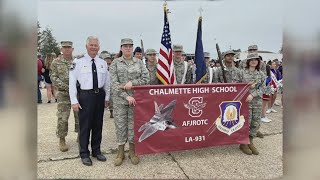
x=151, y=54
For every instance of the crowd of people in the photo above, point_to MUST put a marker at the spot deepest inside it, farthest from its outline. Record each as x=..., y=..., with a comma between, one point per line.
x=92, y=82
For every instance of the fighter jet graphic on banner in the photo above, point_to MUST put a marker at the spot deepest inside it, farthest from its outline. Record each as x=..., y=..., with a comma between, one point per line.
x=161, y=120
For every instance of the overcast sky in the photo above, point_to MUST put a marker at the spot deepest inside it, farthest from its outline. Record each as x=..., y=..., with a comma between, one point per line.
x=235, y=23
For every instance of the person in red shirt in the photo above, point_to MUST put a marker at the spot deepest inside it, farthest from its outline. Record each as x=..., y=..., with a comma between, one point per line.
x=40, y=71
x=4, y=70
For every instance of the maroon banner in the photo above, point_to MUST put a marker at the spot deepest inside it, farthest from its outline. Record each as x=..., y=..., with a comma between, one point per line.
x=181, y=117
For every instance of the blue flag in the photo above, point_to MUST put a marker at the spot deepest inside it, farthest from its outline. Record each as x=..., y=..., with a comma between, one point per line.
x=201, y=68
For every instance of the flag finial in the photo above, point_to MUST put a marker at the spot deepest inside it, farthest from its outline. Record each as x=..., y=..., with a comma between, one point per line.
x=200, y=11
x=165, y=7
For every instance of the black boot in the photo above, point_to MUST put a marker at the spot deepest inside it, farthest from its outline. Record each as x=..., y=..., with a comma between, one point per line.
x=111, y=113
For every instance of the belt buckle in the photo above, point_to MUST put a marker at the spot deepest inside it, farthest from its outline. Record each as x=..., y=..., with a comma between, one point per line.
x=96, y=91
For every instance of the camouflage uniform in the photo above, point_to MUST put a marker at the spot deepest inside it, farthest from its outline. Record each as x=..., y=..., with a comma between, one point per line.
x=207, y=79
x=179, y=67
x=243, y=64
x=232, y=73
x=153, y=74
x=263, y=67
x=104, y=55
x=152, y=69
x=60, y=78
x=179, y=72
x=121, y=72
x=255, y=105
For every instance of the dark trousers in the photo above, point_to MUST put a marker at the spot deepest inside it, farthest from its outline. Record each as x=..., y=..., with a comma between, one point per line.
x=39, y=92
x=91, y=119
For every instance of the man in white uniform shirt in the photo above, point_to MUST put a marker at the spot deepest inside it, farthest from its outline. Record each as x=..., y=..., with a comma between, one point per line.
x=93, y=76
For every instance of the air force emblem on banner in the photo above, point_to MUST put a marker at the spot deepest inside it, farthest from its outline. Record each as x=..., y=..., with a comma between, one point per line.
x=230, y=119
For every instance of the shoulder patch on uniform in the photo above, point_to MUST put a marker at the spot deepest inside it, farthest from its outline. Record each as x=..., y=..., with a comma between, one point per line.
x=72, y=66
x=80, y=56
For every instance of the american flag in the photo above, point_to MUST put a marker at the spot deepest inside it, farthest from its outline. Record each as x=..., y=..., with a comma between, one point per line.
x=165, y=68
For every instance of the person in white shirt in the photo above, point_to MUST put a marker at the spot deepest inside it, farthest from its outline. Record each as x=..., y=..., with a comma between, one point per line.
x=92, y=74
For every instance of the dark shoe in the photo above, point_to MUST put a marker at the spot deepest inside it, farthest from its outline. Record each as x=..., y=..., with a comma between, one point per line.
x=49, y=102
x=39, y=102
x=86, y=161
x=56, y=100
x=111, y=113
x=76, y=128
x=100, y=157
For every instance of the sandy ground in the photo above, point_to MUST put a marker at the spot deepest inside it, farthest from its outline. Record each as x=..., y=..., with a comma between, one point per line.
x=226, y=162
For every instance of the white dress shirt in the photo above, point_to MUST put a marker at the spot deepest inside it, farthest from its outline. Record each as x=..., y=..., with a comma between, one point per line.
x=82, y=72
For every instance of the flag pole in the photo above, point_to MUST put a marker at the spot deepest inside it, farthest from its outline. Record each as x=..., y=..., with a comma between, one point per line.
x=200, y=22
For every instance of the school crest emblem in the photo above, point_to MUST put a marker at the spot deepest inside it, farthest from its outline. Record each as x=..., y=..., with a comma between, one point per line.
x=230, y=119
x=195, y=106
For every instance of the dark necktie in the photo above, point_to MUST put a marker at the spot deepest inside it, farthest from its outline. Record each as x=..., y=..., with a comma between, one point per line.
x=94, y=75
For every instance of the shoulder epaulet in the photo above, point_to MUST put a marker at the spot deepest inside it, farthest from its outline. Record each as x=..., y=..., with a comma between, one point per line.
x=80, y=56
x=116, y=59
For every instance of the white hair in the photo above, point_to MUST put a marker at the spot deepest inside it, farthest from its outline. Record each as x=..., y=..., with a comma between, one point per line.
x=92, y=38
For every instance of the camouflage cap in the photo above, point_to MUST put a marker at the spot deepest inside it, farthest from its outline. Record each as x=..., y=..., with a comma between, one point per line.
x=206, y=54
x=105, y=55
x=151, y=51
x=177, y=47
x=126, y=41
x=253, y=47
x=228, y=52
x=253, y=56
x=66, y=44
